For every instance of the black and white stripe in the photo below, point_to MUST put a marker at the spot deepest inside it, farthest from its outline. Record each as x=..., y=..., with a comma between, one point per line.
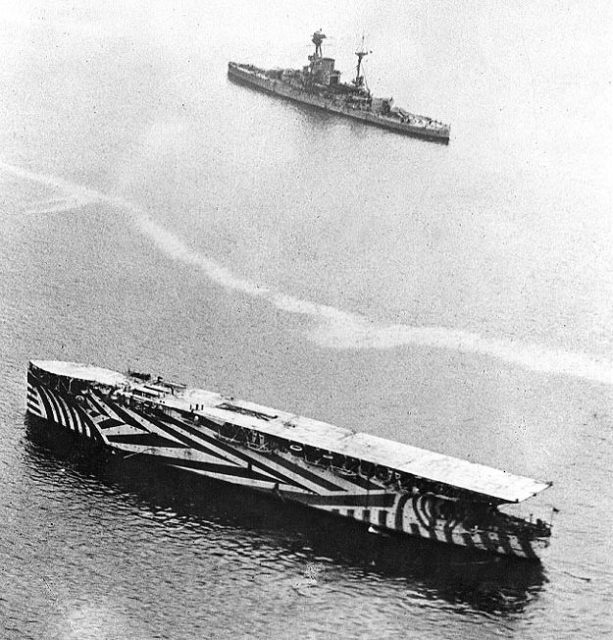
x=178, y=442
x=33, y=402
x=65, y=413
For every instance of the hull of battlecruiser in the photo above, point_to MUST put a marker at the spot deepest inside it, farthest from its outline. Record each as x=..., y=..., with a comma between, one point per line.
x=158, y=431
x=285, y=90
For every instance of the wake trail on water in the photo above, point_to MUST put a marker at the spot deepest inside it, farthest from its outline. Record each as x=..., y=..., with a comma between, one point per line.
x=74, y=195
x=335, y=328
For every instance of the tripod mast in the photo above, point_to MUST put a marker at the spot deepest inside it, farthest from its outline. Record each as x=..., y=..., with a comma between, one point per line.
x=361, y=53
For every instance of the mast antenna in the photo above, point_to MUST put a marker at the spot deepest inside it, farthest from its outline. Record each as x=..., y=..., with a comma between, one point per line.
x=360, y=53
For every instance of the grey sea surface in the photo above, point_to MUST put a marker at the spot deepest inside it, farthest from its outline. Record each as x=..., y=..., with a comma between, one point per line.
x=154, y=215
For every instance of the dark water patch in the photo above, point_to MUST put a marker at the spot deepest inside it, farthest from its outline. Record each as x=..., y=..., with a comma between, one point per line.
x=501, y=239
x=175, y=503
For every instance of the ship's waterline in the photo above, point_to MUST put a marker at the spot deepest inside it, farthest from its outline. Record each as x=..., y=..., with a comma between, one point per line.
x=318, y=85
x=388, y=485
x=503, y=234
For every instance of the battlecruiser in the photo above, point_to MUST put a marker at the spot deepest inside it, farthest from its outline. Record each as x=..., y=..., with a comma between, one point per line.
x=386, y=485
x=318, y=84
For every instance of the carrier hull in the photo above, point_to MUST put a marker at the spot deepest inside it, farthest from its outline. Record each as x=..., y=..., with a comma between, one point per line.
x=169, y=429
x=244, y=74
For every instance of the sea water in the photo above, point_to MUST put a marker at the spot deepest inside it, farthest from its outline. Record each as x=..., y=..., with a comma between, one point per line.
x=158, y=217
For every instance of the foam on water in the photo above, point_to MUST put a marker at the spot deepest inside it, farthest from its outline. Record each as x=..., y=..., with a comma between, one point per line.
x=175, y=248
x=100, y=621
x=334, y=328
x=74, y=195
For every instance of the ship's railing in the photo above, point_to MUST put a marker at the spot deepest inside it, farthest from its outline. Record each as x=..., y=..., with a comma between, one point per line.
x=474, y=511
x=385, y=477
x=63, y=384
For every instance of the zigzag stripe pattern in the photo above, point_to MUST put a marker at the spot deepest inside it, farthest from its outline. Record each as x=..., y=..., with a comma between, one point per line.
x=62, y=411
x=202, y=455
x=278, y=468
x=207, y=443
x=33, y=402
x=200, y=446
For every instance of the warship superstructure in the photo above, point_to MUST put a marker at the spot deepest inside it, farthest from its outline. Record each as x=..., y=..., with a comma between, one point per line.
x=388, y=486
x=318, y=84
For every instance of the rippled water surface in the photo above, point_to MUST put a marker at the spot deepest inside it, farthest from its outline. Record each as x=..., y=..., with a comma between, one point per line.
x=457, y=297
